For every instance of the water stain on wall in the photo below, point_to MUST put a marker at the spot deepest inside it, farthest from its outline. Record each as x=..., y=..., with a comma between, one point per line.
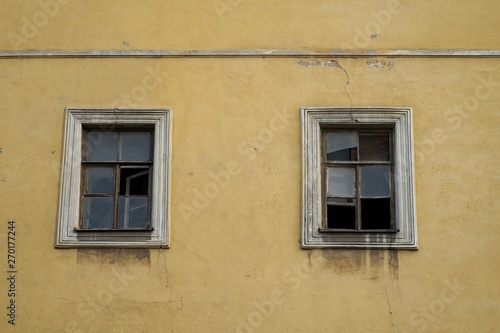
x=371, y=263
x=113, y=256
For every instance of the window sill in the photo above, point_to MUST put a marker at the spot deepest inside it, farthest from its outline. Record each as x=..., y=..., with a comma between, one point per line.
x=360, y=231
x=113, y=230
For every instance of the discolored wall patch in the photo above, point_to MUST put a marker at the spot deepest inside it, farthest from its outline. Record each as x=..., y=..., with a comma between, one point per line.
x=113, y=257
x=372, y=263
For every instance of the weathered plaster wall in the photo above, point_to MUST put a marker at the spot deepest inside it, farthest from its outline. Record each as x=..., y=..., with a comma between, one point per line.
x=157, y=24
x=235, y=261
x=238, y=249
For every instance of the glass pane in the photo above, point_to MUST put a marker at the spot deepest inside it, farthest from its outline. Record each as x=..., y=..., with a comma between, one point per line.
x=341, y=182
x=134, y=181
x=100, y=180
x=374, y=147
x=340, y=200
x=341, y=217
x=98, y=213
x=341, y=146
x=376, y=213
x=375, y=181
x=133, y=212
x=134, y=146
x=102, y=146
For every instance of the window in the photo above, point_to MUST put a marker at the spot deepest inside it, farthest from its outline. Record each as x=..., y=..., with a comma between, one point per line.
x=358, y=178
x=114, y=186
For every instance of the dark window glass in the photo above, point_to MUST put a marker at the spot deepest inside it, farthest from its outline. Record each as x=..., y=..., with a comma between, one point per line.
x=374, y=147
x=134, y=181
x=341, y=217
x=376, y=213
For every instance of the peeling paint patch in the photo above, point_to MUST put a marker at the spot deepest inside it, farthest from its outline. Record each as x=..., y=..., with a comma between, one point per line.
x=378, y=65
x=328, y=63
x=314, y=63
x=113, y=256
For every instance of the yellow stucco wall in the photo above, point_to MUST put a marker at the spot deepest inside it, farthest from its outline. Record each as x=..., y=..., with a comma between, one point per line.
x=235, y=261
x=129, y=24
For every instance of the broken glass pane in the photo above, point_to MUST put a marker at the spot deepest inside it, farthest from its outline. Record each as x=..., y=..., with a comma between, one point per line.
x=341, y=217
x=376, y=213
x=341, y=146
x=341, y=200
x=375, y=181
x=341, y=182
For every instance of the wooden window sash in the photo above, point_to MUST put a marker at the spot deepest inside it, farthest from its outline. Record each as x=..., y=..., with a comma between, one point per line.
x=357, y=164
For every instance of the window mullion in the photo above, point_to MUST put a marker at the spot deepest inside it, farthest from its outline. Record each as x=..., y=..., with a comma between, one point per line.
x=324, y=182
x=116, y=195
x=358, y=191
x=358, y=198
x=393, y=198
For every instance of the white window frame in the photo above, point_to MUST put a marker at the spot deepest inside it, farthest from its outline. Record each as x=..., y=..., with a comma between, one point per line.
x=313, y=119
x=69, y=197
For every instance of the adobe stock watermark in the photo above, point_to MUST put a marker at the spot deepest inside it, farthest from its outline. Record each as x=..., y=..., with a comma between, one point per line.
x=456, y=115
x=137, y=94
x=263, y=309
x=219, y=180
x=381, y=19
x=420, y=320
x=30, y=27
x=88, y=309
x=225, y=6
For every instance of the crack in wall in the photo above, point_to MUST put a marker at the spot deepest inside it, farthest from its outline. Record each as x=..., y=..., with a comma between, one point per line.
x=328, y=63
x=390, y=312
x=348, y=80
x=394, y=264
x=175, y=297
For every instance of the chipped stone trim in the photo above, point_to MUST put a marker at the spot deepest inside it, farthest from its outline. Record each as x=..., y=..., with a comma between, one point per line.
x=277, y=53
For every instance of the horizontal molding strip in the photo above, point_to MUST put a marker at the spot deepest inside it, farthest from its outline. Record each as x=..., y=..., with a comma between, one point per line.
x=267, y=53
